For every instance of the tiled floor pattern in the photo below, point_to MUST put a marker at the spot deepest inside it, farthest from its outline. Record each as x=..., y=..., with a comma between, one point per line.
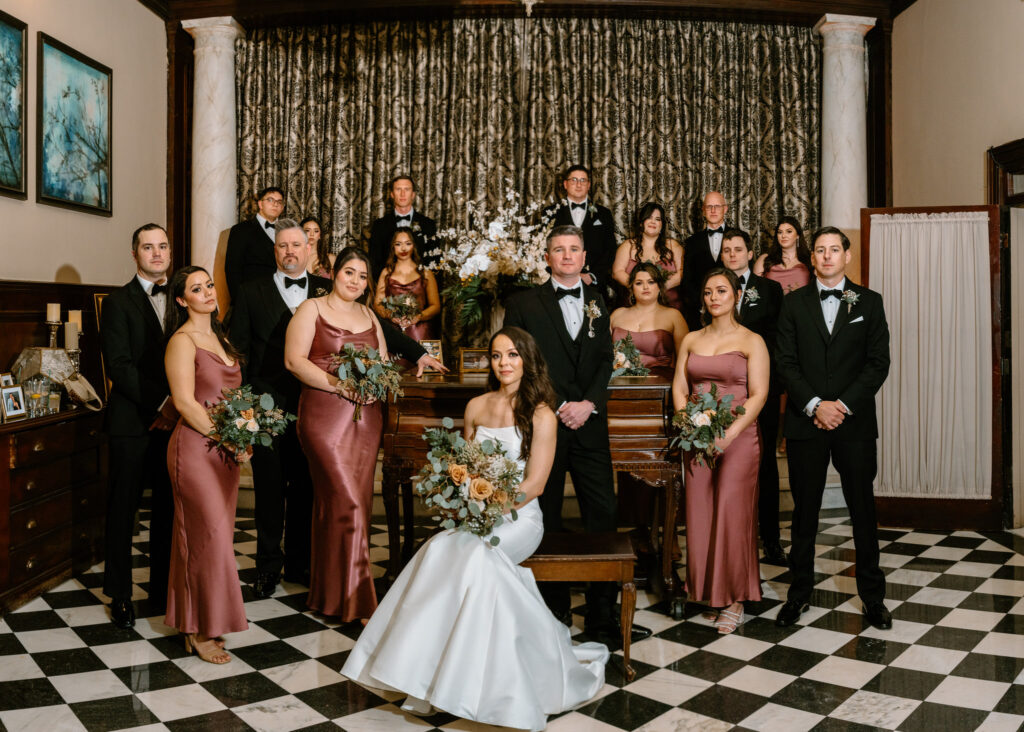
x=954, y=659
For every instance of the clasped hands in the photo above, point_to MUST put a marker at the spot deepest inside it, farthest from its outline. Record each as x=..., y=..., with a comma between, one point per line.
x=574, y=414
x=829, y=415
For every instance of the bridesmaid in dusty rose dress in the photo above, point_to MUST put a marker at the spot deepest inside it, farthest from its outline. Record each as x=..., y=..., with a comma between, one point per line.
x=204, y=597
x=342, y=454
x=404, y=274
x=656, y=329
x=650, y=243
x=788, y=260
x=721, y=502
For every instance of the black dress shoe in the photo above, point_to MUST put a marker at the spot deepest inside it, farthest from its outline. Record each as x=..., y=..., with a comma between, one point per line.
x=563, y=617
x=264, y=585
x=122, y=614
x=297, y=577
x=790, y=612
x=878, y=615
x=610, y=633
x=773, y=554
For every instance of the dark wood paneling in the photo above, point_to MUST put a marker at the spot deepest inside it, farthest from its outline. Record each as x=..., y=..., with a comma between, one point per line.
x=180, y=74
x=879, y=110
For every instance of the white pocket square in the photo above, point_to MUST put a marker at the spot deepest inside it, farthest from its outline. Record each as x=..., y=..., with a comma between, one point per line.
x=597, y=222
x=857, y=320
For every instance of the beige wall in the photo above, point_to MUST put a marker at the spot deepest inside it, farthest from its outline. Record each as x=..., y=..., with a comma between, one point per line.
x=957, y=90
x=44, y=243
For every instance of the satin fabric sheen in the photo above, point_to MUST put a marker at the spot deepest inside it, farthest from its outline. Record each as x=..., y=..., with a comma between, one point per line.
x=423, y=330
x=673, y=295
x=342, y=456
x=721, y=503
x=465, y=630
x=657, y=349
x=203, y=591
x=790, y=279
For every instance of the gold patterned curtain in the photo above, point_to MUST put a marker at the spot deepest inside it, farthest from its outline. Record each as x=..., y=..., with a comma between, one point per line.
x=659, y=109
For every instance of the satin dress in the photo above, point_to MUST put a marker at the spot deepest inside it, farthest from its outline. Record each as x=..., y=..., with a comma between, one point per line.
x=721, y=502
x=790, y=279
x=657, y=349
x=464, y=629
x=673, y=295
x=342, y=457
x=423, y=330
x=204, y=594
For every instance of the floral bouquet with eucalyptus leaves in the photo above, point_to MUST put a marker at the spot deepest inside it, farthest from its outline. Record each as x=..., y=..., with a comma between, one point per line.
x=626, y=359
x=403, y=307
x=469, y=486
x=366, y=375
x=702, y=421
x=242, y=420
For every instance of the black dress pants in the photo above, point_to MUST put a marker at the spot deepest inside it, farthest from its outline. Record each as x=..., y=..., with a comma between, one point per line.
x=768, y=471
x=137, y=462
x=856, y=461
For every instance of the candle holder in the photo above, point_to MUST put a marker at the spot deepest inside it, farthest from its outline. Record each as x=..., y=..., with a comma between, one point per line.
x=54, y=327
x=75, y=354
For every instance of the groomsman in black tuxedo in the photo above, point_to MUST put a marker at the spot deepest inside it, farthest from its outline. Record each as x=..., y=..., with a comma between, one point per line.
x=596, y=222
x=281, y=481
x=833, y=355
x=569, y=321
x=403, y=215
x=132, y=340
x=759, y=305
x=250, y=252
x=701, y=252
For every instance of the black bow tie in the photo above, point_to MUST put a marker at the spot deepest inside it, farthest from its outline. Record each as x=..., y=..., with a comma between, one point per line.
x=562, y=292
x=407, y=217
x=719, y=230
x=158, y=290
x=826, y=294
x=268, y=224
x=743, y=280
x=299, y=282
x=573, y=205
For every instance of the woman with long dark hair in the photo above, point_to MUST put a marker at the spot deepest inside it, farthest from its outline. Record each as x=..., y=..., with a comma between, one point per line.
x=404, y=274
x=204, y=598
x=650, y=243
x=342, y=453
x=322, y=262
x=788, y=259
x=464, y=628
x=656, y=329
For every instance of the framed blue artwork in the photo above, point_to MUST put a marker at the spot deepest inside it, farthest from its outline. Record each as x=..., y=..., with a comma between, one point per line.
x=73, y=163
x=13, y=41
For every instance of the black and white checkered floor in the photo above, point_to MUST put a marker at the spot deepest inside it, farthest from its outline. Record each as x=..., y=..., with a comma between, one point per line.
x=954, y=659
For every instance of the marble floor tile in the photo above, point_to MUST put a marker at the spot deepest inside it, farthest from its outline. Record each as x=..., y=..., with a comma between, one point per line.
x=321, y=643
x=775, y=718
x=1002, y=644
x=1014, y=588
x=42, y=719
x=572, y=722
x=875, y=710
x=89, y=686
x=20, y=666
x=389, y=718
x=760, y=681
x=902, y=631
x=133, y=653
x=180, y=702
x=949, y=553
x=932, y=660
x=844, y=671
x=200, y=671
x=736, y=646
x=668, y=687
x=659, y=652
x=971, y=693
x=279, y=715
x=681, y=720
x=935, y=596
x=302, y=676
x=53, y=639
x=971, y=619
x=817, y=640
x=1001, y=722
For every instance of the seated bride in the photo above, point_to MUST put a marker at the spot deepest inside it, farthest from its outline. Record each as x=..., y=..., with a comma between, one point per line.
x=464, y=629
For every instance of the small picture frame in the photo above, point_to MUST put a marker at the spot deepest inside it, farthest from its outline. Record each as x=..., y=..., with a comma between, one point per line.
x=474, y=361
x=12, y=403
x=6, y=379
x=433, y=348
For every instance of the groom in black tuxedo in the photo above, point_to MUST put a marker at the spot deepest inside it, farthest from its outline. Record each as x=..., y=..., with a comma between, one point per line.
x=132, y=340
x=702, y=251
x=569, y=321
x=403, y=216
x=759, y=305
x=281, y=481
x=250, y=251
x=833, y=354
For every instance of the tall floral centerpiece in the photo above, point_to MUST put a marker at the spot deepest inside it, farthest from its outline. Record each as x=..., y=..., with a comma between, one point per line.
x=492, y=257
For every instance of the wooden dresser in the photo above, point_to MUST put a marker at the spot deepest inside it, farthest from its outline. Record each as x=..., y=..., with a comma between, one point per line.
x=53, y=486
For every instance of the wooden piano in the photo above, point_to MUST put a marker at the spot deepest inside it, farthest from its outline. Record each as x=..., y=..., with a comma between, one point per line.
x=639, y=417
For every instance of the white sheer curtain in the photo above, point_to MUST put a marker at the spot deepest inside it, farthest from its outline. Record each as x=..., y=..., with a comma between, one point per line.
x=935, y=409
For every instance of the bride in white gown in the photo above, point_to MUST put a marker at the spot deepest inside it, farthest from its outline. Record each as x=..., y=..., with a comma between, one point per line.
x=464, y=628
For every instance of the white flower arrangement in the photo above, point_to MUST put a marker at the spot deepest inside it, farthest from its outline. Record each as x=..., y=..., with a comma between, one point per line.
x=593, y=312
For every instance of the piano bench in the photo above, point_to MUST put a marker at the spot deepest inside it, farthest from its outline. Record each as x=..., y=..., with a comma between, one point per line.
x=578, y=557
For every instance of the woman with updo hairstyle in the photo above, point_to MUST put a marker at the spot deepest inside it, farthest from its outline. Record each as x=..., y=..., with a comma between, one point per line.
x=464, y=629
x=650, y=243
x=788, y=259
x=722, y=570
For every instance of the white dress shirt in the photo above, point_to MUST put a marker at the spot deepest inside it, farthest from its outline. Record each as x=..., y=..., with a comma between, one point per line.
x=578, y=214
x=830, y=310
x=404, y=223
x=715, y=243
x=159, y=302
x=572, y=307
x=293, y=296
x=263, y=225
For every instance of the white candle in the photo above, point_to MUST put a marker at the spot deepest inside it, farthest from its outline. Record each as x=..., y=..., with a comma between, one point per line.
x=53, y=312
x=75, y=316
x=71, y=336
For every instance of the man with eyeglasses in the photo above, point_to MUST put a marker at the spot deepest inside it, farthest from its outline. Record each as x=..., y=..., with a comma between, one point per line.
x=402, y=194
x=701, y=252
x=250, y=252
x=597, y=224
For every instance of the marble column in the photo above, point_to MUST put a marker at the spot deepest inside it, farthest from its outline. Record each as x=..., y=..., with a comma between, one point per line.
x=214, y=143
x=844, y=162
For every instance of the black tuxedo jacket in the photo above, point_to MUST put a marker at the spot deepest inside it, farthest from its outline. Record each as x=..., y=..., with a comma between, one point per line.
x=249, y=256
x=850, y=364
x=598, y=237
x=258, y=326
x=133, y=350
x=384, y=228
x=761, y=315
x=697, y=260
x=580, y=369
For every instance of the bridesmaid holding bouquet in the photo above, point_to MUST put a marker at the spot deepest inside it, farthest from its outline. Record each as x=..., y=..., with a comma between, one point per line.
x=405, y=275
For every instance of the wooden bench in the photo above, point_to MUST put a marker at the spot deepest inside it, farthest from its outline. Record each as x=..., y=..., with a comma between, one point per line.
x=577, y=557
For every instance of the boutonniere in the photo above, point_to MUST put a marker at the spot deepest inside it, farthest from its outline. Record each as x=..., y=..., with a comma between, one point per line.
x=593, y=311
x=850, y=298
x=319, y=292
x=751, y=295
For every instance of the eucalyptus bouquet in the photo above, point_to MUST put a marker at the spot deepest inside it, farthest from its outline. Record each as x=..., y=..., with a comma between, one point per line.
x=469, y=486
x=241, y=420
x=403, y=308
x=703, y=420
x=626, y=360
x=366, y=375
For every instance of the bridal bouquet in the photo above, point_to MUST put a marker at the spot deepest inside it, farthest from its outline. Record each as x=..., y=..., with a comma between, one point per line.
x=242, y=420
x=703, y=420
x=626, y=360
x=403, y=308
x=468, y=485
x=366, y=375
x=495, y=254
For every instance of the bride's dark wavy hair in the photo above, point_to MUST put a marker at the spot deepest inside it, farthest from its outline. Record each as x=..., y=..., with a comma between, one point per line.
x=176, y=315
x=534, y=389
